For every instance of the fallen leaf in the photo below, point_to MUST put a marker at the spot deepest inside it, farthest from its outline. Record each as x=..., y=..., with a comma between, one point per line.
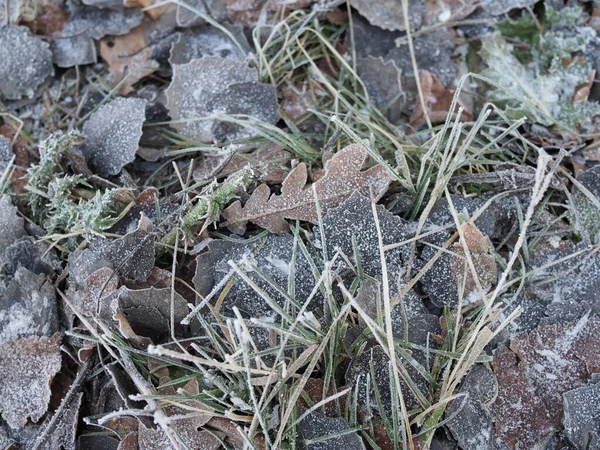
x=472, y=424
x=440, y=11
x=208, y=41
x=330, y=433
x=342, y=177
x=132, y=256
x=11, y=224
x=499, y=7
x=382, y=80
x=147, y=312
x=51, y=21
x=19, y=49
x=535, y=373
x=582, y=409
x=129, y=58
x=27, y=367
x=213, y=85
x=297, y=101
x=388, y=14
x=27, y=307
x=438, y=101
x=63, y=433
x=112, y=135
x=272, y=157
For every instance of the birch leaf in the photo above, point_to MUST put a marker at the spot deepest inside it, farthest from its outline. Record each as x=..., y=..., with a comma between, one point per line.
x=343, y=176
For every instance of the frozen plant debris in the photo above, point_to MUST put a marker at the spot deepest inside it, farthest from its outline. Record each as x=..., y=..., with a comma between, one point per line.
x=129, y=58
x=148, y=312
x=11, y=224
x=132, y=256
x=26, y=62
x=535, y=373
x=343, y=175
x=319, y=432
x=208, y=41
x=27, y=367
x=547, y=88
x=62, y=436
x=473, y=426
x=582, y=410
x=6, y=153
x=213, y=86
x=499, y=7
x=382, y=80
x=112, y=135
x=27, y=307
x=388, y=14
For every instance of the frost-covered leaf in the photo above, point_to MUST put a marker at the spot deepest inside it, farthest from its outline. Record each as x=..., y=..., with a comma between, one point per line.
x=533, y=377
x=186, y=15
x=273, y=255
x=499, y=7
x=319, y=432
x=19, y=49
x=11, y=224
x=130, y=58
x=63, y=432
x=112, y=135
x=473, y=426
x=387, y=14
x=148, y=312
x=212, y=86
x=383, y=82
x=544, y=89
x=522, y=418
x=343, y=176
x=97, y=23
x=272, y=157
x=433, y=52
x=132, y=256
x=27, y=367
x=6, y=153
x=208, y=41
x=351, y=229
x=442, y=280
x=27, y=307
x=438, y=100
x=582, y=411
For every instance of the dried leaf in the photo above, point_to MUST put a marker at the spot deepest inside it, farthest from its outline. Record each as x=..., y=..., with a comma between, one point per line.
x=383, y=82
x=208, y=41
x=438, y=100
x=582, y=409
x=546, y=363
x=472, y=426
x=27, y=367
x=147, y=312
x=212, y=85
x=318, y=427
x=62, y=435
x=27, y=307
x=272, y=156
x=11, y=224
x=132, y=256
x=112, y=135
x=19, y=49
x=342, y=177
x=129, y=57
x=388, y=14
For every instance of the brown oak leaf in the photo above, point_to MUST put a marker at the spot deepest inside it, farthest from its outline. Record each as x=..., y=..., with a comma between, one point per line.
x=343, y=176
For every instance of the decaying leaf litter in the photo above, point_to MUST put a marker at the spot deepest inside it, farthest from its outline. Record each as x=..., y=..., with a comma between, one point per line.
x=249, y=224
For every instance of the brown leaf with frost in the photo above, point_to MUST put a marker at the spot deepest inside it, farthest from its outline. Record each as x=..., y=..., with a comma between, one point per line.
x=128, y=56
x=535, y=373
x=27, y=367
x=343, y=176
x=438, y=100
